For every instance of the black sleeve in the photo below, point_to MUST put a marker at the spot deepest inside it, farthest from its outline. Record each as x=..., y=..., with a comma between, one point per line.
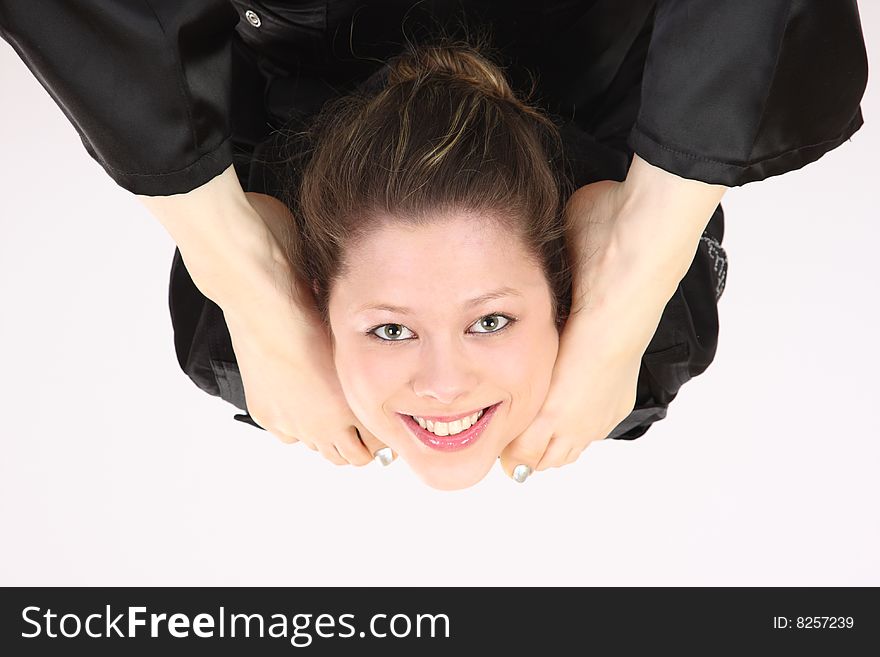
x=736, y=91
x=146, y=83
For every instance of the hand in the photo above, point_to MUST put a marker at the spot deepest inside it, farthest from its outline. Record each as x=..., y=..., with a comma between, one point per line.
x=593, y=386
x=633, y=243
x=230, y=243
x=286, y=362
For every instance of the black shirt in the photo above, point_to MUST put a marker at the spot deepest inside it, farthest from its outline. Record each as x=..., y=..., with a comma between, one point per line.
x=167, y=94
x=732, y=91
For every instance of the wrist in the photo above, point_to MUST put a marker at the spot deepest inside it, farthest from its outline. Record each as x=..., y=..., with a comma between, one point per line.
x=226, y=261
x=223, y=239
x=662, y=217
x=254, y=276
x=635, y=242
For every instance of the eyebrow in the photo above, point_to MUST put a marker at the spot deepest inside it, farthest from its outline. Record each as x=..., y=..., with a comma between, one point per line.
x=470, y=303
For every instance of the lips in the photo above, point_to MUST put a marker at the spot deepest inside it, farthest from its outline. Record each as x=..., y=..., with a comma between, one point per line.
x=451, y=443
x=446, y=418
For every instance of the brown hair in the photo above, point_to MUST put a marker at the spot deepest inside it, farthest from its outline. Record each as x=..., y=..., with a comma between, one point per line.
x=445, y=133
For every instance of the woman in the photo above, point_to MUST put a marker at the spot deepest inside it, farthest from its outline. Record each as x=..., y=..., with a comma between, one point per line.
x=705, y=123
x=457, y=223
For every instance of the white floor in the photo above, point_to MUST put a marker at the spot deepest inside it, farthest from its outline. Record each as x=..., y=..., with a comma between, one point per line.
x=117, y=470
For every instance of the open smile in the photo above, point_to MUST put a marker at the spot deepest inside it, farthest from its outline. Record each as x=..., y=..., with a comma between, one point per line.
x=451, y=443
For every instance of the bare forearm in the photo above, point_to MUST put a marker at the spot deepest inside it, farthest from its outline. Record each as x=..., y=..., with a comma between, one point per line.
x=638, y=241
x=222, y=239
x=662, y=220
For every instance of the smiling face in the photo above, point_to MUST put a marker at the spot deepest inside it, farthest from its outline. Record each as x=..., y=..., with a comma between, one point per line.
x=437, y=355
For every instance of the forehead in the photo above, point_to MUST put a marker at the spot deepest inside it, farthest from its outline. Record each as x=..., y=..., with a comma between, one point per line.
x=441, y=235
x=444, y=261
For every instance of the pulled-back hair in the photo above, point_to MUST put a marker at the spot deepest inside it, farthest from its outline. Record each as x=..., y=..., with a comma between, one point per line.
x=442, y=134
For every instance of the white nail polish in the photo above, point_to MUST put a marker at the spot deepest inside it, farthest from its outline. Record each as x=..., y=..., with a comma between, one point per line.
x=384, y=456
x=520, y=472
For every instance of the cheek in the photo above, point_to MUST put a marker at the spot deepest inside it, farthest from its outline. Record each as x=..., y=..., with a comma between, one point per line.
x=367, y=377
x=530, y=365
x=369, y=364
x=530, y=372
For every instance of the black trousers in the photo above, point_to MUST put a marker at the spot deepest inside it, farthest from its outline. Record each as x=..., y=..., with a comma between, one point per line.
x=596, y=122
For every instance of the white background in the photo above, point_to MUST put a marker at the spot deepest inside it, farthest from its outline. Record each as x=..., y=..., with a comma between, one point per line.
x=116, y=470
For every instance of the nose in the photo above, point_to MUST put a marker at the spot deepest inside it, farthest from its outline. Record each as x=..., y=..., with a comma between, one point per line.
x=445, y=373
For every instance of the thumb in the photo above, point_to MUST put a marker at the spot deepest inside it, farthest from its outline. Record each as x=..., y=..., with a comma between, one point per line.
x=520, y=458
x=380, y=451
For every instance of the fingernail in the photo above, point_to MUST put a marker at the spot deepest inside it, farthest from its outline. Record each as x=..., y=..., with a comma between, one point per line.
x=520, y=472
x=384, y=456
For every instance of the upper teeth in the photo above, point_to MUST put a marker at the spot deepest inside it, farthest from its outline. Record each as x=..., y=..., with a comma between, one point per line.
x=448, y=428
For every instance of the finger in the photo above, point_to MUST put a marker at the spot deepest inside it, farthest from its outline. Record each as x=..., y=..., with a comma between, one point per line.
x=353, y=450
x=574, y=454
x=378, y=450
x=284, y=438
x=557, y=454
x=330, y=453
x=520, y=458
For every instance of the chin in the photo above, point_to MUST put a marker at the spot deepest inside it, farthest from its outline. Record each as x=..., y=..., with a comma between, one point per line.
x=447, y=480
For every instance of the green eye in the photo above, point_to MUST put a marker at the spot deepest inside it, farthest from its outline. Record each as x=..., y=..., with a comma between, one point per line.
x=495, y=328
x=392, y=332
x=391, y=335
